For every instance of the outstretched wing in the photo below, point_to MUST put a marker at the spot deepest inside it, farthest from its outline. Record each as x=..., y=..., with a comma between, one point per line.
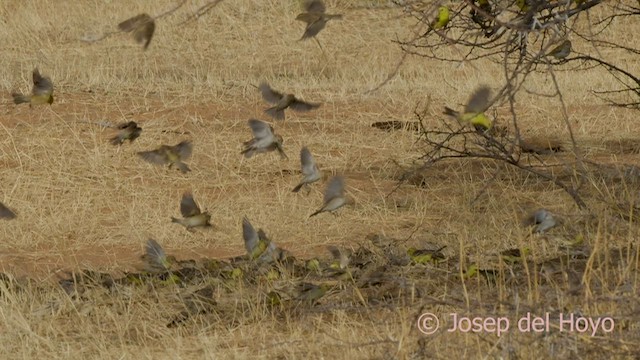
x=188, y=206
x=335, y=188
x=268, y=94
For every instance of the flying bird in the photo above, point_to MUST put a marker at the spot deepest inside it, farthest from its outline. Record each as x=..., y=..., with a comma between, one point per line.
x=41, y=93
x=264, y=140
x=282, y=101
x=156, y=260
x=192, y=216
x=127, y=131
x=334, y=197
x=310, y=171
x=315, y=18
x=172, y=155
x=474, y=110
x=257, y=243
x=6, y=213
x=142, y=27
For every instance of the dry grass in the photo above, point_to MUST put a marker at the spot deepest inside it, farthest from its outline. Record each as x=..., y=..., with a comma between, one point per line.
x=84, y=204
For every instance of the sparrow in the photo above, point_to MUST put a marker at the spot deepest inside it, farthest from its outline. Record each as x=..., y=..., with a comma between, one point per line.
x=315, y=18
x=474, y=110
x=561, y=51
x=172, y=155
x=264, y=140
x=334, y=197
x=310, y=170
x=142, y=27
x=281, y=102
x=256, y=242
x=41, y=93
x=127, y=131
x=6, y=213
x=192, y=216
x=156, y=260
x=542, y=219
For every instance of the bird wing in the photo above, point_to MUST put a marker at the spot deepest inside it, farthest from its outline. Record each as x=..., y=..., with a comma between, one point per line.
x=157, y=156
x=307, y=161
x=308, y=17
x=143, y=27
x=314, y=28
x=314, y=6
x=184, y=149
x=155, y=253
x=299, y=105
x=479, y=100
x=261, y=130
x=249, y=234
x=42, y=85
x=335, y=188
x=188, y=206
x=268, y=94
x=6, y=213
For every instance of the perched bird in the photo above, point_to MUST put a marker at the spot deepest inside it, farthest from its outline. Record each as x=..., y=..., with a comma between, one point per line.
x=542, y=219
x=192, y=216
x=41, y=93
x=315, y=18
x=142, y=27
x=424, y=256
x=127, y=131
x=561, y=51
x=482, y=14
x=264, y=140
x=256, y=242
x=172, y=155
x=512, y=256
x=6, y=213
x=474, y=110
x=340, y=258
x=156, y=260
x=281, y=102
x=442, y=20
x=310, y=170
x=334, y=197
x=308, y=292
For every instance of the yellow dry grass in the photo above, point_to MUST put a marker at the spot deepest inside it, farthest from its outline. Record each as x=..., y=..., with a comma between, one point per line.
x=83, y=203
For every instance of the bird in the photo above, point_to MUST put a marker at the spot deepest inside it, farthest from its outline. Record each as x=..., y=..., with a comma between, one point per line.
x=310, y=170
x=264, y=140
x=142, y=27
x=442, y=19
x=156, y=260
x=192, y=216
x=172, y=155
x=6, y=213
x=256, y=242
x=334, y=197
x=561, y=51
x=308, y=292
x=282, y=101
x=315, y=18
x=474, y=110
x=542, y=219
x=127, y=131
x=41, y=93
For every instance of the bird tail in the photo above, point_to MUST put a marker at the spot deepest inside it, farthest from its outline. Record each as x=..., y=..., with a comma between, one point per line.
x=19, y=98
x=451, y=112
x=174, y=220
x=335, y=16
x=117, y=140
x=275, y=113
x=316, y=213
x=298, y=187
